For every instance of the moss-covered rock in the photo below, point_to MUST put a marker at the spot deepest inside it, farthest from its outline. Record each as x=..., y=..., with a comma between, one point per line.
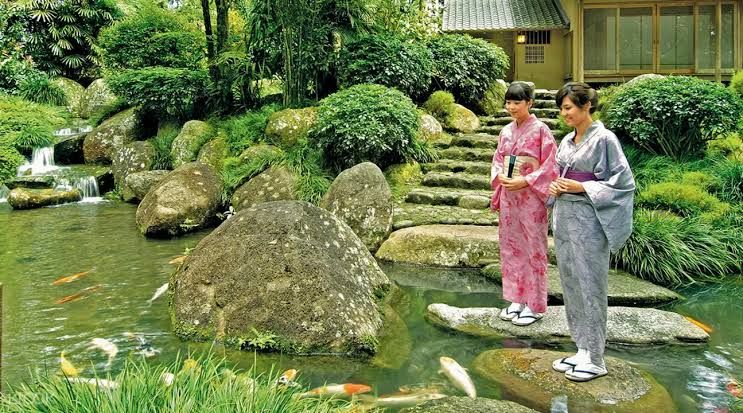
x=24, y=198
x=430, y=129
x=460, y=119
x=526, y=376
x=31, y=182
x=213, y=153
x=274, y=184
x=189, y=141
x=260, y=151
x=395, y=342
x=624, y=289
x=134, y=157
x=467, y=405
x=492, y=102
x=138, y=184
x=75, y=94
x=110, y=136
x=286, y=127
x=283, y=276
x=97, y=96
x=361, y=197
x=187, y=199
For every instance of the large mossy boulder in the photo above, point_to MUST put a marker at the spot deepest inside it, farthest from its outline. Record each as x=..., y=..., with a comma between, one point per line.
x=285, y=276
x=138, y=184
x=430, y=129
x=75, y=94
x=213, y=153
x=110, y=136
x=274, y=184
x=260, y=151
x=460, y=119
x=186, y=145
x=286, y=127
x=69, y=149
x=467, y=405
x=361, y=197
x=134, y=157
x=526, y=376
x=97, y=96
x=31, y=182
x=187, y=199
x=24, y=198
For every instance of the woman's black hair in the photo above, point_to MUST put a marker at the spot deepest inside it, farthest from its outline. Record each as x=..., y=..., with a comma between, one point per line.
x=520, y=91
x=579, y=93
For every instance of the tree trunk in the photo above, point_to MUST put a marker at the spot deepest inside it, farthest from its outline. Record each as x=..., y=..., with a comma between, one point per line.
x=210, y=52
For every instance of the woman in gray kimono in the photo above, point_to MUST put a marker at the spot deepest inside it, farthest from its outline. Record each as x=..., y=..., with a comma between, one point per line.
x=592, y=216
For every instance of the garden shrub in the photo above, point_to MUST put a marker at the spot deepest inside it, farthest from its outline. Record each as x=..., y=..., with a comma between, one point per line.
x=438, y=103
x=683, y=199
x=701, y=179
x=248, y=129
x=494, y=98
x=162, y=91
x=388, y=61
x=736, y=83
x=466, y=66
x=27, y=125
x=40, y=89
x=367, y=123
x=108, y=110
x=729, y=145
x=669, y=250
x=729, y=174
x=674, y=115
x=176, y=49
x=10, y=160
x=162, y=143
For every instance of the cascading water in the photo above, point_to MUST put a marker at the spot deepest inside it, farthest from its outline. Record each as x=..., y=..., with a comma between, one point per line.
x=4, y=193
x=42, y=162
x=88, y=187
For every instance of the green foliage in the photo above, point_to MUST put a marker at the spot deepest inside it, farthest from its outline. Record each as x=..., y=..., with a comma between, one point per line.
x=388, y=61
x=438, y=103
x=729, y=145
x=61, y=34
x=409, y=19
x=466, y=66
x=162, y=143
x=246, y=130
x=492, y=102
x=729, y=175
x=151, y=37
x=402, y=177
x=683, y=199
x=306, y=162
x=206, y=384
x=108, y=110
x=671, y=251
x=10, y=160
x=235, y=172
x=25, y=124
x=736, y=83
x=365, y=123
x=673, y=116
x=40, y=89
x=161, y=90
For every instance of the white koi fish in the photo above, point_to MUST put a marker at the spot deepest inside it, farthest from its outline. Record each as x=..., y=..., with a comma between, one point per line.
x=406, y=400
x=105, y=346
x=458, y=376
x=160, y=291
x=102, y=383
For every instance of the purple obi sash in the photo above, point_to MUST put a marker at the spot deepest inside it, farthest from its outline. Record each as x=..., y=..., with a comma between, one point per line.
x=579, y=176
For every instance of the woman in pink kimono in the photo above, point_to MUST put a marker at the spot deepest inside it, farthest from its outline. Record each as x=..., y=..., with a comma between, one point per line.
x=523, y=167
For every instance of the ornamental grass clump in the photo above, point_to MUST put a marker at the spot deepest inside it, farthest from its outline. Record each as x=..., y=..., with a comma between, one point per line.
x=673, y=116
x=683, y=199
x=367, y=123
x=201, y=385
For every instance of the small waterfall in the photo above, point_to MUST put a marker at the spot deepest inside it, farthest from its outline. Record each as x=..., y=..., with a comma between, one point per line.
x=4, y=193
x=42, y=161
x=88, y=187
x=61, y=133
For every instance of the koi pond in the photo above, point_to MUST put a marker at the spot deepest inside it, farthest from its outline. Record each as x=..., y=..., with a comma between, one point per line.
x=122, y=270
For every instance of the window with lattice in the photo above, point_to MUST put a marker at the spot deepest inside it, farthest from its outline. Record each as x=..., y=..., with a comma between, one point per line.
x=534, y=54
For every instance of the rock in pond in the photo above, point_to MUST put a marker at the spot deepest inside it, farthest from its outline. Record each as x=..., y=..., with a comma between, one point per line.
x=467, y=405
x=274, y=184
x=110, y=136
x=526, y=376
x=283, y=275
x=625, y=325
x=22, y=198
x=138, y=184
x=361, y=197
x=624, y=289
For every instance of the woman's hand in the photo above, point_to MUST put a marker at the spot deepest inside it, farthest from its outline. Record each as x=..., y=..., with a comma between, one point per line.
x=569, y=186
x=555, y=189
x=512, y=184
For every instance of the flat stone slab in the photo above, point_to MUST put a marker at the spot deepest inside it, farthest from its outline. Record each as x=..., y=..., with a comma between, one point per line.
x=471, y=167
x=457, y=180
x=526, y=376
x=467, y=405
x=31, y=182
x=411, y=215
x=445, y=246
x=625, y=325
x=624, y=289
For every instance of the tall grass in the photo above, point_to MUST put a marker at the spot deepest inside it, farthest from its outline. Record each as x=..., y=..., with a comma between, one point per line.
x=209, y=386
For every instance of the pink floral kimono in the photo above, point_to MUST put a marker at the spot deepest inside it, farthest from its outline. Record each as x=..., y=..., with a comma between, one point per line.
x=523, y=215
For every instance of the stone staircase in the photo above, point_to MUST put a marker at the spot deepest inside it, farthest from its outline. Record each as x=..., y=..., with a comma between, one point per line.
x=456, y=188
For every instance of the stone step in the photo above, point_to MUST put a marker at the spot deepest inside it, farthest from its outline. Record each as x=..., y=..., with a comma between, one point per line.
x=496, y=124
x=491, y=129
x=475, y=140
x=624, y=289
x=545, y=94
x=465, y=198
x=549, y=113
x=446, y=246
x=410, y=215
x=625, y=325
x=544, y=104
x=467, y=154
x=456, y=180
x=452, y=165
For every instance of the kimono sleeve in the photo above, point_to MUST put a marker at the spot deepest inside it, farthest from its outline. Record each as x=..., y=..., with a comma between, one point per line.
x=539, y=180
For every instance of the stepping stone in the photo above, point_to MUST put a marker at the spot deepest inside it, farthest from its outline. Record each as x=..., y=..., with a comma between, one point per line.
x=476, y=140
x=471, y=198
x=526, y=376
x=457, y=180
x=467, y=405
x=467, y=154
x=624, y=289
x=625, y=325
x=31, y=182
x=450, y=165
x=491, y=129
x=411, y=215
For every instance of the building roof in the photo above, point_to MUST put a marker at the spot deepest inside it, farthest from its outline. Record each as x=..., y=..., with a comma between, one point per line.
x=487, y=15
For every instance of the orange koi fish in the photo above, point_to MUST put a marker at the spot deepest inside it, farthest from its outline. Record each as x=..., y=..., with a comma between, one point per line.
x=71, y=278
x=287, y=378
x=78, y=295
x=734, y=389
x=707, y=329
x=178, y=260
x=347, y=389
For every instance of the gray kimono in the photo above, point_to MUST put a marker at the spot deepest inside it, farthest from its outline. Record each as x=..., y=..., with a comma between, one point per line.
x=587, y=226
